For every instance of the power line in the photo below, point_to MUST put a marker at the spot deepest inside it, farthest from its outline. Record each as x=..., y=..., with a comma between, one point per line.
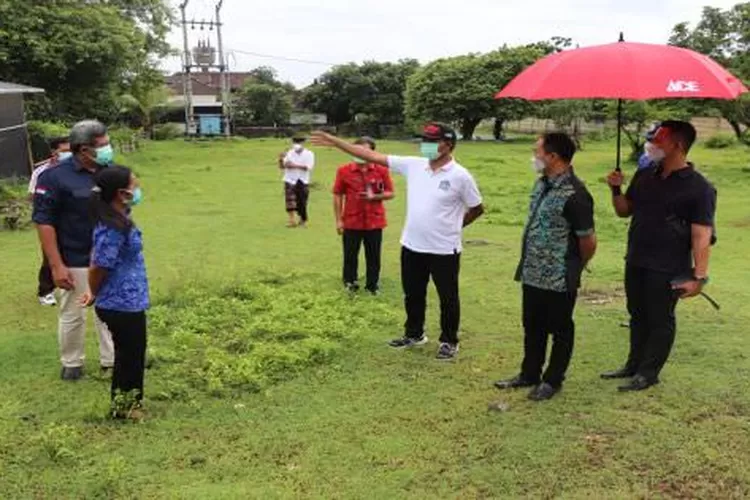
x=283, y=58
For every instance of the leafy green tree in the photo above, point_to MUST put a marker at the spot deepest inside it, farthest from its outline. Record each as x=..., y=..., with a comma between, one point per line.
x=83, y=53
x=372, y=88
x=461, y=89
x=261, y=104
x=724, y=35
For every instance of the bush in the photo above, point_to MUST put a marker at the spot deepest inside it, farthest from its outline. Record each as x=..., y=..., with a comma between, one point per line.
x=168, y=131
x=15, y=209
x=249, y=336
x=124, y=139
x=720, y=141
x=39, y=135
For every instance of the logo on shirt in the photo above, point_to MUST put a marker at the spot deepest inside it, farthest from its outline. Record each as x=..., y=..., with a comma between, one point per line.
x=676, y=86
x=40, y=190
x=444, y=185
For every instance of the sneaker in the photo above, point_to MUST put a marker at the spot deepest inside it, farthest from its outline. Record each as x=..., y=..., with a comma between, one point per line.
x=407, y=342
x=48, y=300
x=373, y=291
x=447, y=352
x=71, y=374
x=352, y=287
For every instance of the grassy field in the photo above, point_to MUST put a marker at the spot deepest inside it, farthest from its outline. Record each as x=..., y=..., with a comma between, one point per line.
x=350, y=418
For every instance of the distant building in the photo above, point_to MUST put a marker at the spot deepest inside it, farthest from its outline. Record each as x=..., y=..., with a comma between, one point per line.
x=15, y=158
x=302, y=118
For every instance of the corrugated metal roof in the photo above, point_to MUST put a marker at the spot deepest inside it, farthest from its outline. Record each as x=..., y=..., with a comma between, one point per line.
x=14, y=88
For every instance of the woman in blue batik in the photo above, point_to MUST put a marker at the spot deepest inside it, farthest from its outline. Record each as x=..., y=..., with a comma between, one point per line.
x=118, y=284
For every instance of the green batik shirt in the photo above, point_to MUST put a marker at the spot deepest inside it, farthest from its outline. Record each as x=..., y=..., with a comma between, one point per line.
x=561, y=211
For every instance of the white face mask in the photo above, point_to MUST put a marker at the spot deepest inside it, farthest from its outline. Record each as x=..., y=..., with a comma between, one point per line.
x=654, y=153
x=298, y=147
x=537, y=165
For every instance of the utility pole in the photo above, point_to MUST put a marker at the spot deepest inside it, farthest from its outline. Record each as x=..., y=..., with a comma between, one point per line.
x=223, y=70
x=187, y=84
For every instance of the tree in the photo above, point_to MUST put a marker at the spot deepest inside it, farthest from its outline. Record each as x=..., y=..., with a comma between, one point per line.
x=261, y=104
x=568, y=115
x=83, y=53
x=461, y=89
x=372, y=88
x=145, y=106
x=724, y=35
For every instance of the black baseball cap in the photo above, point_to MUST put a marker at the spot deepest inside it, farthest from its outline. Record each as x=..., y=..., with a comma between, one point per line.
x=434, y=132
x=299, y=139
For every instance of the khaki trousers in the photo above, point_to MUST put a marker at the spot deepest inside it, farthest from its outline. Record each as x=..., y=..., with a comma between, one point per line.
x=72, y=327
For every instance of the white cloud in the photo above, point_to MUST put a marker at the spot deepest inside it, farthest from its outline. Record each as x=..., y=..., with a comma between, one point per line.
x=340, y=31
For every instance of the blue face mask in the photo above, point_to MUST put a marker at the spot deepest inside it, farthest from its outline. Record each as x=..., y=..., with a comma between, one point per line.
x=429, y=150
x=104, y=155
x=64, y=155
x=137, y=197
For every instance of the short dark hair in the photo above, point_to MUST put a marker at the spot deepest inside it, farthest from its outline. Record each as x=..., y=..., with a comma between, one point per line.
x=297, y=139
x=56, y=142
x=560, y=144
x=366, y=139
x=683, y=132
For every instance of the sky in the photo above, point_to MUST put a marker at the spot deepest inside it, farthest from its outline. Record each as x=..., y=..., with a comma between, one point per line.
x=341, y=31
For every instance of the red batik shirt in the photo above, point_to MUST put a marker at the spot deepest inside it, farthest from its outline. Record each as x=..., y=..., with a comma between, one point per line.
x=351, y=181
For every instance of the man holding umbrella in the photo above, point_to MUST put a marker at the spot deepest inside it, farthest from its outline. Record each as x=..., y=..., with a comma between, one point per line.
x=672, y=207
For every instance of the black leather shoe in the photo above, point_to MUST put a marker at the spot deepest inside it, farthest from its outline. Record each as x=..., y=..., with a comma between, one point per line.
x=543, y=392
x=517, y=382
x=621, y=373
x=71, y=374
x=639, y=383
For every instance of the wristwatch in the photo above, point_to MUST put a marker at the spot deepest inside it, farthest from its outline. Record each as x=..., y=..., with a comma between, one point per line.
x=702, y=281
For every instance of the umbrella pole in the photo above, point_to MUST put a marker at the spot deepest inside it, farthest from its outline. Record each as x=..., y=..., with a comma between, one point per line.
x=619, y=133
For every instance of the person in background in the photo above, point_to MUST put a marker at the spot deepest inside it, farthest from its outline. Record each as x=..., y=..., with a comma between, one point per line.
x=646, y=159
x=358, y=194
x=60, y=150
x=297, y=165
x=669, y=244
x=65, y=230
x=118, y=286
x=442, y=198
x=558, y=242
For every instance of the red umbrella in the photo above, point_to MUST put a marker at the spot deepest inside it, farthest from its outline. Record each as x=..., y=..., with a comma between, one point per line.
x=624, y=70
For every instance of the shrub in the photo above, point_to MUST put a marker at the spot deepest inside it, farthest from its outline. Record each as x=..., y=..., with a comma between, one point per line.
x=249, y=336
x=168, y=131
x=720, y=141
x=15, y=209
x=124, y=139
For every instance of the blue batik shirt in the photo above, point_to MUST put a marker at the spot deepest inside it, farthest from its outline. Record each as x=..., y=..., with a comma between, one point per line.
x=120, y=252
x=561, y=211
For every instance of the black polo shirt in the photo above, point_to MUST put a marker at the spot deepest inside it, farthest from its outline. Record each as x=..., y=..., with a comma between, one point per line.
x=61, y=200
x=663, y=211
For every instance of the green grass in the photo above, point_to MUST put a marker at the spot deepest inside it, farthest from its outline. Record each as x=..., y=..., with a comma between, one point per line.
x=363, y=421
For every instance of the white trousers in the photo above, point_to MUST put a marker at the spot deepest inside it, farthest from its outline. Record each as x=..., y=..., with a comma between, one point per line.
x=72, y=328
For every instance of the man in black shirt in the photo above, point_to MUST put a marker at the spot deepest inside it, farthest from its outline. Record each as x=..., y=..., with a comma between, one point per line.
x=672, y=208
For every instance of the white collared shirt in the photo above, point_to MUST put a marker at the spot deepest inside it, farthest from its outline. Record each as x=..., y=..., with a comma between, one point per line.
x=436, y=203
x=304, y=157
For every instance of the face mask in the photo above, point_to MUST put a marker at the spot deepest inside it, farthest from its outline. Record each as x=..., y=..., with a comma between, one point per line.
x=537, y=165
x=429, y=150
x=654, y=153
x=297, y=147
x=137, y=197
x=104, y=155
x=359, y=161
x=64, y=155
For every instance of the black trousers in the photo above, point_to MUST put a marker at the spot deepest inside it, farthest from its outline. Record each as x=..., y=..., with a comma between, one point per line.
x=416, y=270
x=352, y=240
x=46, y=283
x=302, y=193
x=651, y=304
x=129, y=336
x=546, y=312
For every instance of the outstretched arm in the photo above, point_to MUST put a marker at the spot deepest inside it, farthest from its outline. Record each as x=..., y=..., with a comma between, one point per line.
x=320, y=138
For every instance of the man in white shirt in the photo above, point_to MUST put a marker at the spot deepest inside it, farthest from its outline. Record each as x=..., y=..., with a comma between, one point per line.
x=60, y=150
x=442, y=198
x=297, y=164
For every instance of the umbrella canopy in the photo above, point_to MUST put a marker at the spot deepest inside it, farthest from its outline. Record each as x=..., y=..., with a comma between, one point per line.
x=624, y=70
